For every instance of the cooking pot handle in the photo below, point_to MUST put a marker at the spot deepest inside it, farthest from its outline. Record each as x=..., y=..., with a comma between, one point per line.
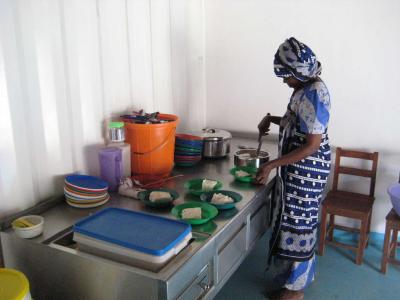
x=209, y=130
x=246, y=147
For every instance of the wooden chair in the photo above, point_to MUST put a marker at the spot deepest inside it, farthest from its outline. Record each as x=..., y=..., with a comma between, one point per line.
x=348, y=204
x=389, y=246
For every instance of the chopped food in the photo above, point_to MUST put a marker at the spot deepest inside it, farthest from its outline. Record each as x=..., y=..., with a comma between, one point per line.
x=219, y=198
x=159, y=196
x=208, y=185
x=191, y=213
x=244, y=155
x=22, y=223
x=241, y=173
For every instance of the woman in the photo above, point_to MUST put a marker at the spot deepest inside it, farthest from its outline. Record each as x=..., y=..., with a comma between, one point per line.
x=303, y=167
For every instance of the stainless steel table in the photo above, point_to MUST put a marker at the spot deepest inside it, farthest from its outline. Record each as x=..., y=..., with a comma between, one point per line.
x=57, y=269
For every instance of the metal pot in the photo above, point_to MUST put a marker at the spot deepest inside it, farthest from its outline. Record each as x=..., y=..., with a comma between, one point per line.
x=248, y=158
x=216, y=143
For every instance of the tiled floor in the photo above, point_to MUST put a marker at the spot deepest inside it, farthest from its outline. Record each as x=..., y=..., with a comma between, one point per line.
x=337, y=276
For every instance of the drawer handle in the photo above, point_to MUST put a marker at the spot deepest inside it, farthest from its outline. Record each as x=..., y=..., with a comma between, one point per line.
x=204, y=286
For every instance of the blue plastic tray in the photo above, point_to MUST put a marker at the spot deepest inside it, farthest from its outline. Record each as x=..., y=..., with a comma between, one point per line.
x=134, y=230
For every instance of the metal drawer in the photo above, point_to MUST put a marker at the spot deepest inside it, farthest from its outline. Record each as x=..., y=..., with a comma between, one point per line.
x=230, y=253
x=258, y=223
x=199, y=286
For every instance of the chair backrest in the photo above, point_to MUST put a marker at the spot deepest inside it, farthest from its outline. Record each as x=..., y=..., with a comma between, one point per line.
x=355, y=171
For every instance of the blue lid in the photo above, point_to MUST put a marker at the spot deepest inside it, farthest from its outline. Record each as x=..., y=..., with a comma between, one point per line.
x=87, y=182
x=134, y=230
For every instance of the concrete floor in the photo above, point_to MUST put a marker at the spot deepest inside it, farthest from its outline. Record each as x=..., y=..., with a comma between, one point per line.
x=338, y=277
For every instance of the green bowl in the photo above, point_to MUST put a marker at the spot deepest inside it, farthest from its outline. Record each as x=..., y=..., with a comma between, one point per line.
x=188, y=149
x=194, y=186
x=208, y=212
x=251, y=170
x=144, y=197
x=188, y=164
x=206, y=197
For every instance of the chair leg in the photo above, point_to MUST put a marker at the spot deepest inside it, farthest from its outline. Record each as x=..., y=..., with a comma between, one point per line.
x=394, y=240
x=385, y=250
x=369, y=229
x=331, y=227
x=322, y=231
x=361, y=241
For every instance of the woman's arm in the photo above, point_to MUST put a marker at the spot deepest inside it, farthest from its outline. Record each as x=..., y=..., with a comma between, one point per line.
x=311, y=145
x=263, y=127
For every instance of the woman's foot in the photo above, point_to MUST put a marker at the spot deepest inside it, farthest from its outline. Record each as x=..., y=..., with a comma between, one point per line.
x=273, y=294
x=286, y=294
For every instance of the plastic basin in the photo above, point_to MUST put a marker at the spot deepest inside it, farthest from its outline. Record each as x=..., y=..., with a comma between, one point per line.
x=394, y=193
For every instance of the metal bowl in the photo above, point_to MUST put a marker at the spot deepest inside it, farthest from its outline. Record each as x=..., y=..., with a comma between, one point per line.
x=248, y=158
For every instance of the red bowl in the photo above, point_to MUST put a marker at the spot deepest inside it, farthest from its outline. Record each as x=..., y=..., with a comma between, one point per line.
x=189, y=137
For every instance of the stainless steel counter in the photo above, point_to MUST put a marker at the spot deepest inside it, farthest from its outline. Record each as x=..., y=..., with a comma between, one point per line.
x=197, y=269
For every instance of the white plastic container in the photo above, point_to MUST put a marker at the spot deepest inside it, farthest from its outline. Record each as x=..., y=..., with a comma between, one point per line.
x=32, y=231
x=125, y=255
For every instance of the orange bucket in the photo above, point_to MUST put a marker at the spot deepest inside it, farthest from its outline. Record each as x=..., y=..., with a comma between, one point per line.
x=152, y=146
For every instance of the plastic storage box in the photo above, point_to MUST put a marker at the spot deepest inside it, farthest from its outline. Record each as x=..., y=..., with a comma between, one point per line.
x=131, y=237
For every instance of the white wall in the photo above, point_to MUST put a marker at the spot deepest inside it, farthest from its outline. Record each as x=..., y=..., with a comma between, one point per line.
x=358, y=43
x=66, y=66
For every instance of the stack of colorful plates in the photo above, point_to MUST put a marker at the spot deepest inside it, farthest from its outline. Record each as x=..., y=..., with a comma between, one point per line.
x=188, y=149
x=85, y=191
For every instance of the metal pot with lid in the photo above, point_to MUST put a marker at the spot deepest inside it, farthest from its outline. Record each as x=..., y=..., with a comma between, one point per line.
x=217, y=142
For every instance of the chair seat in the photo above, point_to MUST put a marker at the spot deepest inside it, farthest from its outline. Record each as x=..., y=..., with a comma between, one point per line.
x=393, y=219
x=348, y=204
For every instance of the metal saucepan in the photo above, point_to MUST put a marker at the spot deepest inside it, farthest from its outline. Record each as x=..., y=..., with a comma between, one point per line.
x=249, y=158
x=216, y=143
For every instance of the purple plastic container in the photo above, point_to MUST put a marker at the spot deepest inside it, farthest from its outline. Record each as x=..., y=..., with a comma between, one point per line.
x=111, y=167
x=394, y=192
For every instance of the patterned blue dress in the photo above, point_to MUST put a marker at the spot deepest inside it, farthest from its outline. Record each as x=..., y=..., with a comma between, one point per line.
x=303, y=183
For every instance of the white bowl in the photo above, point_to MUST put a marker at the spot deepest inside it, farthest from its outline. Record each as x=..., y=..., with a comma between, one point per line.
x=33, y=231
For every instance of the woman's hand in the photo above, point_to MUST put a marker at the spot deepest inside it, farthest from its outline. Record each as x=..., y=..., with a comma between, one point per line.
x=265, y=123
x=263, y=173
x=263, y=127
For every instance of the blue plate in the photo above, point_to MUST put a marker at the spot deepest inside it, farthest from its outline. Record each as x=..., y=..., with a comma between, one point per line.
x=192, y=144
x=86, y=182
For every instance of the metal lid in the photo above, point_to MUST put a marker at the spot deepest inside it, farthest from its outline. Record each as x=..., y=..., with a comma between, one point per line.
x=214, y=139
x=216, y=133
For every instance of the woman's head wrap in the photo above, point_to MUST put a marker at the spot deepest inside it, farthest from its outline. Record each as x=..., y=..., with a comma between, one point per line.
x=296, y=59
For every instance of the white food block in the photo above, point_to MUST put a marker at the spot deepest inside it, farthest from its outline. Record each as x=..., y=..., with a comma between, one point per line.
x=208, y=185
x=191, y=213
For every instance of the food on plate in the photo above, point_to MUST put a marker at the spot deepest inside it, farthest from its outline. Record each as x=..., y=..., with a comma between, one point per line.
x=219, y=198
x=159, y=196
x=191, y=213
x=242, y=173
x=208, y=185
x=22, y=223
